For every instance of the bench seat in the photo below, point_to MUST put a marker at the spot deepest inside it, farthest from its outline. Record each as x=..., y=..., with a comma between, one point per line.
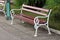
x=28, y=19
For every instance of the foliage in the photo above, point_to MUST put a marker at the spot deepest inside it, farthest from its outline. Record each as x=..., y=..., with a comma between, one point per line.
x=37, y=3
x=57, y=2
x=18, y=3
x=55, y=15
x=50, y=4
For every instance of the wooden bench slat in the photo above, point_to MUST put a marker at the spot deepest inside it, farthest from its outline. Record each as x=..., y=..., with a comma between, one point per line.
x=34, y=12
x=46, y=10
x=29, y=20
x=30, y=17
x=2, y=2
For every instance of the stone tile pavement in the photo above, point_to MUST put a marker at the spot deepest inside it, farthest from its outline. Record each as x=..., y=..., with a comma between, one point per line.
x=19, y=31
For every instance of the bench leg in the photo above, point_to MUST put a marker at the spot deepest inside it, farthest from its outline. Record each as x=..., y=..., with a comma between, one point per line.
x=4, y=13
x=36, y=28
x=48, y=30
x=22, y=21
x=12, y=20
x=35, y=33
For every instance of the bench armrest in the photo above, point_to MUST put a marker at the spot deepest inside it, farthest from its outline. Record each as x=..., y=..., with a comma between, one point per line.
x=16, y=9
x=13, y=13
x=36, y=19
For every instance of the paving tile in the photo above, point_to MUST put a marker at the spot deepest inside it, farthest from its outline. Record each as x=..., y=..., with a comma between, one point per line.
x=19, y=31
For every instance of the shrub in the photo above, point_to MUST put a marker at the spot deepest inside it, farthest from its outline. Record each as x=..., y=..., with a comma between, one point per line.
x=55, y=18
x=50, y=4
x=57, y=2
x=37, y=3
x=55, y=15
x=18, y=3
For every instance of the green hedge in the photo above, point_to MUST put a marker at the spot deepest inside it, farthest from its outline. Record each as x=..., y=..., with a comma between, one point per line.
x=18, y=3
x=55, y=18
x=37, y=3
x=55, y=15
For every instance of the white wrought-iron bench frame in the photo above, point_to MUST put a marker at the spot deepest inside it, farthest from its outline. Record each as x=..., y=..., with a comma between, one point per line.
x=36, y=19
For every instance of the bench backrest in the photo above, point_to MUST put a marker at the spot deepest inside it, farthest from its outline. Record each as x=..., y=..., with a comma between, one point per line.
x=28, y=8
x=36, y=10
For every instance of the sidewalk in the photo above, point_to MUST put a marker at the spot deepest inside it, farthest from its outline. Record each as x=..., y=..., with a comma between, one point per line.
x=19, y=31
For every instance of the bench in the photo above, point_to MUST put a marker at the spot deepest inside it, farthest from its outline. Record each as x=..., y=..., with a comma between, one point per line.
x=2, y=6
x=37, y=21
